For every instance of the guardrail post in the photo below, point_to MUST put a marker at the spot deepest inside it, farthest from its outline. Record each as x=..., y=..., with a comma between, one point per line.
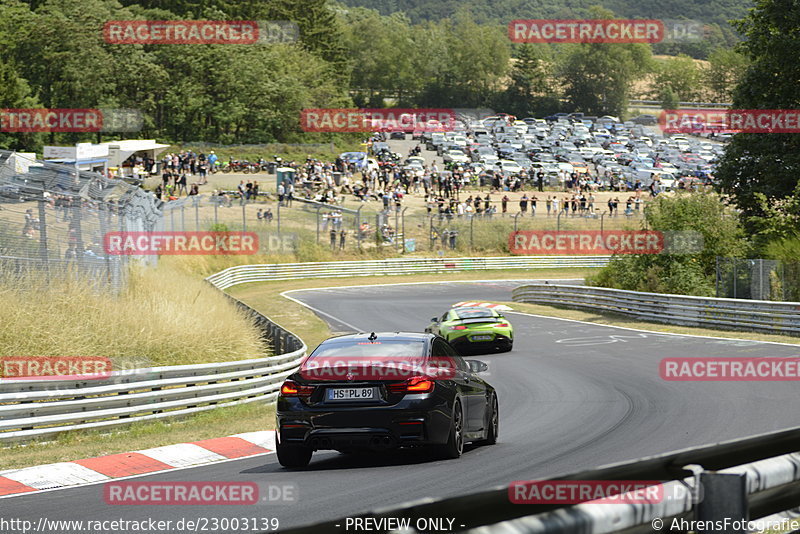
x=471, y=232
x=403, y=218
x=724, y=500
x=396, y=226
x=43, y=236
x=318, y=225
x=358, y=227
x=516, y=215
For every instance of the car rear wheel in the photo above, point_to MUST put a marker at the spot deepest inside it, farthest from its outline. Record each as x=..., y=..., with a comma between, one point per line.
x=455, y=441
x=294, y=455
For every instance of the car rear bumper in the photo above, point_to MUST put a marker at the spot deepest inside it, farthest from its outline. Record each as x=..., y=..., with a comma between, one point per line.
x=422, y=419
x=466, y=344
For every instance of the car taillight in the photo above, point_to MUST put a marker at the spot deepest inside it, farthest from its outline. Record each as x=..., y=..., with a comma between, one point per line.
x=290, y=388
x=502, y=325
x=460, y=327
x=417, y=384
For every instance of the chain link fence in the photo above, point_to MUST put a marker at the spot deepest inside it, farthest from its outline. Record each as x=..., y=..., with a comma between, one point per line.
x=758, y=279
x=54, y=218
x=398, y=229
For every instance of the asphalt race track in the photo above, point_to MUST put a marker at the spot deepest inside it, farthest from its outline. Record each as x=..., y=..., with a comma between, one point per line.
x=572, y=396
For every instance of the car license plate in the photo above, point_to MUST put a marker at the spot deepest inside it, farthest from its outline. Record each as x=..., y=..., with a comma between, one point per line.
x=481, y=338
x=345, y=394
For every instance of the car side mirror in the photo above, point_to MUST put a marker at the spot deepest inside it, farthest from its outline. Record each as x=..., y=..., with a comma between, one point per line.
x=435, y=319
x=477, y=366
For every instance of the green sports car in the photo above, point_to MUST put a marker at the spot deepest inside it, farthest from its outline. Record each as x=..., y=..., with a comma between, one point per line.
x=474, y=329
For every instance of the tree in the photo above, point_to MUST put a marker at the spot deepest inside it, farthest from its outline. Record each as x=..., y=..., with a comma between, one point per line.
x=669, y=100
x=681, y=271
x=321, y=30
x=764, y=162
x=465, y=62
x=725, y=69
x=15, y=91
x=530, y=75
x=382, y=52
x=598, y=76
x=681, y=75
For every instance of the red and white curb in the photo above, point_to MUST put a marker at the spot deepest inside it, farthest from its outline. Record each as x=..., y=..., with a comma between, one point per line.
x=103, y=468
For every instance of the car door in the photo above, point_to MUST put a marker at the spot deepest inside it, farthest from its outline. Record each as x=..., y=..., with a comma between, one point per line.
x=473, y=390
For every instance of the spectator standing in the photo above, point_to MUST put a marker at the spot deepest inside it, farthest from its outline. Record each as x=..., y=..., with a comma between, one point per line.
x=181, y=183
x=504, y=203
x=242, y=192
x=523, y=204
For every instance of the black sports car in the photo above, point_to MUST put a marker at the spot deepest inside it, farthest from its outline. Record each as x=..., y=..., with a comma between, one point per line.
x=383, y=391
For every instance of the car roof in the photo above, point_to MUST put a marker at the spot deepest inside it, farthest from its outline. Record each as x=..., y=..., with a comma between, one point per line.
x=380, y=336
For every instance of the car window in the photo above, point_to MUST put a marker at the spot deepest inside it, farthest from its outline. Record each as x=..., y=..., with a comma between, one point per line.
x=442, y=348
x=371, y=349
x=475, y=313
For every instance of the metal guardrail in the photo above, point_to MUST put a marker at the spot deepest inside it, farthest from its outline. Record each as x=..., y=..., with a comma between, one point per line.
x=658, y=103
x=754, y=477
x=242, y=274
x=732, y=314
x=42, y=408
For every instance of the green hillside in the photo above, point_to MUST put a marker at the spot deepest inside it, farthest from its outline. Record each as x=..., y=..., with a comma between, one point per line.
x=719, y=11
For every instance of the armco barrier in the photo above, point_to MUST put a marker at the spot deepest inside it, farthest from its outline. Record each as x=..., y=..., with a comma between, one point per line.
x=733, y=314
x=42, y=408
x=242, y=274
x=35, y=409
x=750, y=478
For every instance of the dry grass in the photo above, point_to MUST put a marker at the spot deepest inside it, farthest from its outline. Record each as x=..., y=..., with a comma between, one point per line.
x=164, y=317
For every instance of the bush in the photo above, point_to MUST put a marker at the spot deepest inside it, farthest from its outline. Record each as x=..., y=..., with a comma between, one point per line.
x=683, y=274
